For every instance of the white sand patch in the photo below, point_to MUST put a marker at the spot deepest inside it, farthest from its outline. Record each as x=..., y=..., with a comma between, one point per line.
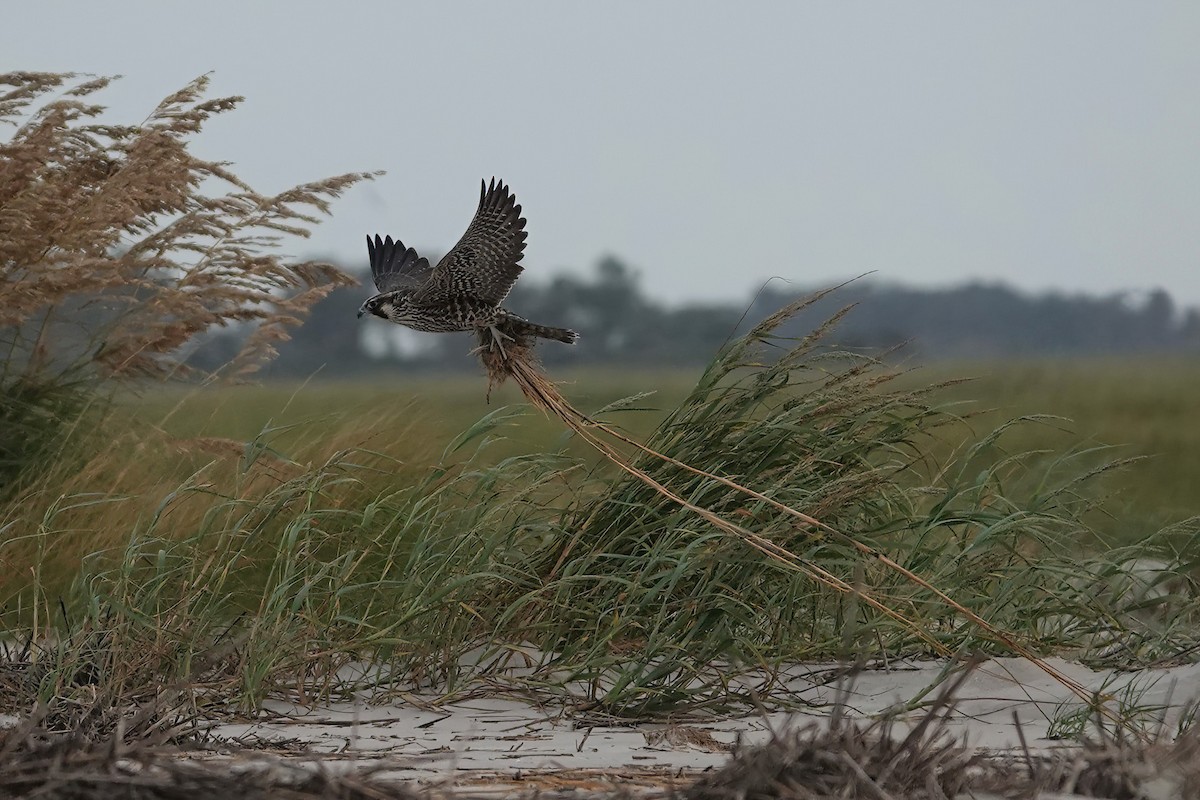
x=508, y=738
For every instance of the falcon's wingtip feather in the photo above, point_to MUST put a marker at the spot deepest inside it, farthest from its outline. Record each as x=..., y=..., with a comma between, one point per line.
x=494, y=187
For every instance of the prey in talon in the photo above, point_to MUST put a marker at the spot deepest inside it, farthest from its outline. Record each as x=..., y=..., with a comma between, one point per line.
x=464, y=291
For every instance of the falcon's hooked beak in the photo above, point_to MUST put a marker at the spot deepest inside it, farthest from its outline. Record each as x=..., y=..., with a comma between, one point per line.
x=362, y=310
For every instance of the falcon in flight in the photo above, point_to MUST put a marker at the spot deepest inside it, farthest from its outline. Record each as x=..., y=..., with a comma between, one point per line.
x=464, y=291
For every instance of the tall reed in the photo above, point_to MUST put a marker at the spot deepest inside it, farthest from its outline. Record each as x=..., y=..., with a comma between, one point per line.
x=120, y=248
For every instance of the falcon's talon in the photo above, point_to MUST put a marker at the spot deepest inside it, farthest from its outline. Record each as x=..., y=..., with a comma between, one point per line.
x=497, y=341
x=498, y=338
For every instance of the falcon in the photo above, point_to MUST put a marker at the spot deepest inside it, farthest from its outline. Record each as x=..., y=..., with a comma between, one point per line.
x=464, y=291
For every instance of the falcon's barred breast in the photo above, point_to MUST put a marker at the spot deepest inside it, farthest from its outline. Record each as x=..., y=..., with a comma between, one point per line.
x=464, y=291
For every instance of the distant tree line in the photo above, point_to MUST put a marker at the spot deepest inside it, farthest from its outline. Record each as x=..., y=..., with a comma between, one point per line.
x=996, y=321
x=619, y=324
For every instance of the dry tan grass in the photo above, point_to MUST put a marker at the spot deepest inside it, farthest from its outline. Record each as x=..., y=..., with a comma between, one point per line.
x=118, y=245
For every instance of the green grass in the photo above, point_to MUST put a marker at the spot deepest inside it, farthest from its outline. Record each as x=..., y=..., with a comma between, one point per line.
x=437, y=409
x=1144, y=408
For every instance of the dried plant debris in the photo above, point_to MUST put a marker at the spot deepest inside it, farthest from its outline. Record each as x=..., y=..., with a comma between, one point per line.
x=685, y=737
x=842, y=759
x=70, y=768
x=516, y=360
x=1118, y=768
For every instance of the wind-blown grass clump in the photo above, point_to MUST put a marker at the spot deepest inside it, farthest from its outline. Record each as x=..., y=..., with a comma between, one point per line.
x=789, y=509
x=119, y=247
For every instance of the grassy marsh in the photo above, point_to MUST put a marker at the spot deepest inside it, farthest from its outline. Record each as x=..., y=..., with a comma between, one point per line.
x=260, y=538
x=1139, y=407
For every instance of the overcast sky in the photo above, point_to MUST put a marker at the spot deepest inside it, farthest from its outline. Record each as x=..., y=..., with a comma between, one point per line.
x=711, y=145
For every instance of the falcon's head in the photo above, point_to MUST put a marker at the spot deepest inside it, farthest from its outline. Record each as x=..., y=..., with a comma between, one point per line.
x=390, y=306
x=375, y=305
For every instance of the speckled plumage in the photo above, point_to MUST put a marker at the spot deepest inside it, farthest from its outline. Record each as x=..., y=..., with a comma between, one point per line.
x=464, y=291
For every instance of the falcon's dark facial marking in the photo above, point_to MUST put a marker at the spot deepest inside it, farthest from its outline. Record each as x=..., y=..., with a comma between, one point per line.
x=379, y=305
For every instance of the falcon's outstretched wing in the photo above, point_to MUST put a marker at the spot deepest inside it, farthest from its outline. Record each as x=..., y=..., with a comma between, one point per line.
x=394, y=267
x=486, y=261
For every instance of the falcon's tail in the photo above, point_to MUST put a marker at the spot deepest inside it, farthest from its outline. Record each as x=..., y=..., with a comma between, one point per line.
x=523, y=327
x=564, y=335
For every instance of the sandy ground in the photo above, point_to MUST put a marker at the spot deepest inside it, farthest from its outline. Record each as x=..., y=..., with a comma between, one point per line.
x=498, y=741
